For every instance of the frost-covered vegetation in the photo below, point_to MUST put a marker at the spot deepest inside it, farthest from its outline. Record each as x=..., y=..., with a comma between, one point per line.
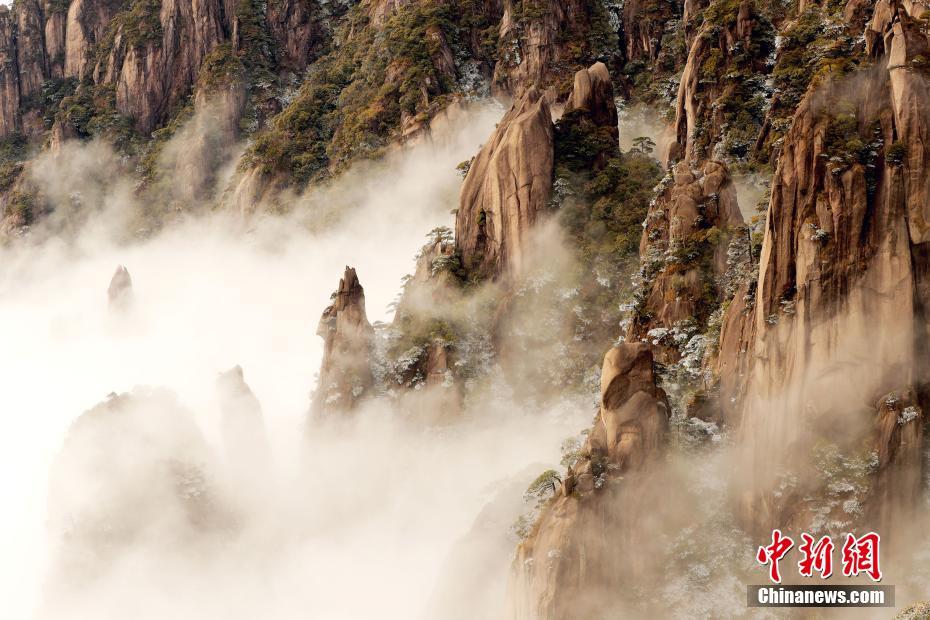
x=601, y=207
x=376, y=78
x=815, y=46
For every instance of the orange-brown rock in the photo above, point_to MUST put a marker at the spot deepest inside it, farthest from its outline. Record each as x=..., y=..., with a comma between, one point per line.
x=86, y=24
x=593, y=92
x=683, y=247
x=581, y=549
x=9, y=76
x=506, y=190
x=733, y=359
x=644, y=23
x=153, y=64
x=154, y=75
x=293, y=25
x=430, y=391
x=538, y=40
x=30, y=47
x=898, y=441
x=56, y=19
x=707, y=88
x=345, y=373
x=841, y=314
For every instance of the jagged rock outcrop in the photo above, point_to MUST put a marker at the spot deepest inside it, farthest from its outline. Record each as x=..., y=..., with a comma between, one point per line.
x=593, y=92
x=715, y=115
x=644, y=23
x=345, y=373
x=296, y=32
x=732, y=360
x=119, y=292
x=506, y=190
x=539, y=40
x=684, y=251
x=86, y=25
x=433, y=285
x=56, y=19
x=151, y=54
x=30, y=47
x=423, y=341
x=155, y=66
x=840, y=316
x=582, y=547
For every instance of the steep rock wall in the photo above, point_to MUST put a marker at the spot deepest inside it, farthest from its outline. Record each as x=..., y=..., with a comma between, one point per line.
x=543, y=43
x=506, y=189
x=719, y=109
x=840, y=317
x=581, y=550
x=683, y=251
x=9, y=75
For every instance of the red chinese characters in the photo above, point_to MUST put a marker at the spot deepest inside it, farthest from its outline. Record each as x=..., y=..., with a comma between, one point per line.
x=817, y=556
x=773, y=553
x=860, y=555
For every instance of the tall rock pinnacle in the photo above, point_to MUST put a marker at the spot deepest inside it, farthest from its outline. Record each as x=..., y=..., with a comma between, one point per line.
x=345, y=374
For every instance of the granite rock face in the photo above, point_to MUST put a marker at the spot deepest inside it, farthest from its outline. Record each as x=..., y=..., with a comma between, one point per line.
x=594, y=93
x=683, y=248
x=839, y=321
x=506, y=190
x=722, y=60
x=582, y=544
x=345, y=374
x=537, y=39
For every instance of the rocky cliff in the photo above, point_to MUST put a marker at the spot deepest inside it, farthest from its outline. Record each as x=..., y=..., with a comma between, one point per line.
x=540, y=40
x=582, y=546
x=684, y=248
x=720, y=105
x=816, y=393
x=506, y=190
x=644, y=28
x=844, y=253
x=794, y=343
x=345, y=374
x=425, y=333
x=131, y=71
x=593, y=92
